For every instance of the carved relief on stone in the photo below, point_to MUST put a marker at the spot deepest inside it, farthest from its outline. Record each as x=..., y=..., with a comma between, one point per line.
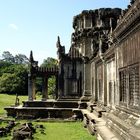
x=134, y=86
x=94, y=46
x=123, y=86
x=60, y=49
x=33, y=64
x=129, y=85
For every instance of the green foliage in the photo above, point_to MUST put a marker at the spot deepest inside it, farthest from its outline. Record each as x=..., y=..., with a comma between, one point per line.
x=49, y=62
x=4, y=64
x=13, y=79
x=38, y=84
x=13, y=74
x=51, y=86
x=9, y=83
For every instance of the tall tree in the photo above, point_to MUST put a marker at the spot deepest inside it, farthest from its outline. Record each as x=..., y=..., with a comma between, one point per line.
x=13, y=79
x=21, y=59
x=8, y=57
x=13, y=73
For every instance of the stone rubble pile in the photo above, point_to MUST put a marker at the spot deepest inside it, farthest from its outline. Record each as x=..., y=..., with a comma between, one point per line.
x=6, y=130
x=26, y=131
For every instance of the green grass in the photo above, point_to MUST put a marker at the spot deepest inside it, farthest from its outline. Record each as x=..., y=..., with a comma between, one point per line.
x=8, y=100
x=60, y=131
x=53, y=130
x=64, y=131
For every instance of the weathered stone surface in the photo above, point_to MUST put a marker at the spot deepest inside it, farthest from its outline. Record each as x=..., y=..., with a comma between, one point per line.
x=24, y=132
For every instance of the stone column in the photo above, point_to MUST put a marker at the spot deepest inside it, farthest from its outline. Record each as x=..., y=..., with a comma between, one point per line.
x=45, y=89
x=86, y=70
x=94, y=82
x=87, y=83
x=104, y=83
x=79, y=85
x=31, y=87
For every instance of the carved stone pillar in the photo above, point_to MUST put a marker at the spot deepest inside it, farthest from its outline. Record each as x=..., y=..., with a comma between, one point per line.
x=61, y=83
x=104, y=84
x=31, y=87
x=86, y=70
x=45, y=89
x=87, y=83
x=79, y=84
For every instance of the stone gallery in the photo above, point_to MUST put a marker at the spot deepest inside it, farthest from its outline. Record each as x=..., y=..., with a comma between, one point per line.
x=98, y=79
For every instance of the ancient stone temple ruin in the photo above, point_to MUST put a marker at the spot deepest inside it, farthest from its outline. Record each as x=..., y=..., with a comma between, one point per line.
x=99, y=78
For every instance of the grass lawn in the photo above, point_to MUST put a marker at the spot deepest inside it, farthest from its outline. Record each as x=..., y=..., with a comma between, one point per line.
x=65, y=131
x=8, y=100
x=53, y=130
x=60, y=131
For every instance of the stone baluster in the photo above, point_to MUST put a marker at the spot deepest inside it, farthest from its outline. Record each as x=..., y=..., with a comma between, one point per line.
x=31, y=87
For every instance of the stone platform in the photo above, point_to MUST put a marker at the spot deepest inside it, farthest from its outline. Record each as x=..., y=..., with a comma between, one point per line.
x=39, y=112
x=43, y=109
x=51, y=103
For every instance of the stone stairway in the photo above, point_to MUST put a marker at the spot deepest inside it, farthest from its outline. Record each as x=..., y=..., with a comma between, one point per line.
x=97, y=125
x=111, y=124
x=124, y=123
x=43, y=109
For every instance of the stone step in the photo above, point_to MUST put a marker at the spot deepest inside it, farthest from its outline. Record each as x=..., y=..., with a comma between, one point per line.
x=92, y=116
x=77, y=114
x=91, y=106
x=99, y=126
x=51, y=103
x=103, y=133
x=98, y=111
x=69, y=98
x=82, y=105
x=120, y=127
x=40, y=112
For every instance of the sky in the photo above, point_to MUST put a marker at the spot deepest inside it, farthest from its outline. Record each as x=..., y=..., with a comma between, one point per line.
x=27, y=25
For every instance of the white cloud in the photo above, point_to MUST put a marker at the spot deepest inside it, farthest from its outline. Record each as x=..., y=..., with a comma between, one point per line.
x=13, y=26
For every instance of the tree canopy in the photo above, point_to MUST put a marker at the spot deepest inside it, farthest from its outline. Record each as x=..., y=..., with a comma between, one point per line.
x=17, y=59
x=49, y=62
x=13, y=74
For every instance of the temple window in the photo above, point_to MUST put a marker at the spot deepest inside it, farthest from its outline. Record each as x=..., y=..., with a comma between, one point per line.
x=111, y=91
x=123, y=86
x=88, y=22
x=100, y=88
x=129, y=85
x=100, y=82
x=134, y=86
